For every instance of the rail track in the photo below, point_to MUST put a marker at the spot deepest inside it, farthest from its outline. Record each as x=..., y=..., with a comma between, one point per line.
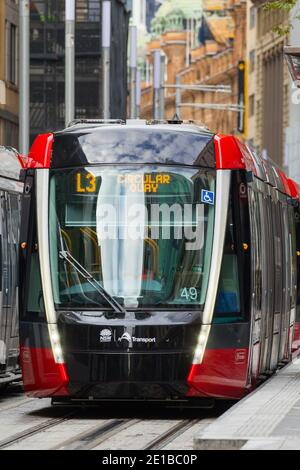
x=43, y=426
x=83, y=429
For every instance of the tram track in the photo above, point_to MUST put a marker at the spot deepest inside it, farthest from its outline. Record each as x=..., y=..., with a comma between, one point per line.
x=104, y=429
x=34, y=430
x=13, y=405
x=98, y=436
x=164, y=439
x=90, y=440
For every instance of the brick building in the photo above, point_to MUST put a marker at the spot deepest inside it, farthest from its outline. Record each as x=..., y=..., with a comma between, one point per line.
x=203, y=42
x=271, y=93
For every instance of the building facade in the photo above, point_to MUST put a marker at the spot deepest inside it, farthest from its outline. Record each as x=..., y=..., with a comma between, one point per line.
x=292, y=132
x=47, y=71
x=251, y=64
x=204, y=43
x=9, y=100
x=270, y=96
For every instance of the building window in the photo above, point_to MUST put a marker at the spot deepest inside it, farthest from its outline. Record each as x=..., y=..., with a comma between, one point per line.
x=252, y=17
x=11, y=53
x=251, y=105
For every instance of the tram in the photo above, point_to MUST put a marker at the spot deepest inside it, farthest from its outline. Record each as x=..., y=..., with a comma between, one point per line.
x=158, y=262
x=11, y=190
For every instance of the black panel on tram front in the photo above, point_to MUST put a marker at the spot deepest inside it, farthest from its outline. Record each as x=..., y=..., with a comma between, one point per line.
x=124, y=145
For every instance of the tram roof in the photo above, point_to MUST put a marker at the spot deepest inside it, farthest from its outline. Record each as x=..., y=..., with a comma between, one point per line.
x=95, y=142
x=10, y=163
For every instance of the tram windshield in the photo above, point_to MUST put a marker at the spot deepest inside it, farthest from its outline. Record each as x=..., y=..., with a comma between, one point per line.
x=143, y=233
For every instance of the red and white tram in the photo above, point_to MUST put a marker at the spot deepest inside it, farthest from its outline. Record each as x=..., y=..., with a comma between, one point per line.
x=158, y=262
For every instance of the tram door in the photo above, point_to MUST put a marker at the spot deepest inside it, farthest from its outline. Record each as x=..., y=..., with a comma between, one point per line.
x=8, y=298
x=267, y=279
x=277, y=313
x=3, y=284
x=286, y=319
x=13, y=223
x=257, y=254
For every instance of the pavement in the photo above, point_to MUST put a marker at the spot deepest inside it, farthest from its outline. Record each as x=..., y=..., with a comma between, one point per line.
x=267, y=419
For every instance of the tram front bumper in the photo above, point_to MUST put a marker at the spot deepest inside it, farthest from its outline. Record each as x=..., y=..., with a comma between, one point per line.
x=128, y=359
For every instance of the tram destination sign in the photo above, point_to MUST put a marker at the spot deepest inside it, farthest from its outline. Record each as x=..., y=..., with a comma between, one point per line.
x=138, y=183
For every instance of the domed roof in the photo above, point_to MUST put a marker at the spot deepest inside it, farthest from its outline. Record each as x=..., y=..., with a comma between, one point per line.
x=164, y=9
x=189, y=8
x=172, y=13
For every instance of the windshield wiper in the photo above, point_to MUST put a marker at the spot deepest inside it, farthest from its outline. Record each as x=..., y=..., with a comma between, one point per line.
x=66, y=255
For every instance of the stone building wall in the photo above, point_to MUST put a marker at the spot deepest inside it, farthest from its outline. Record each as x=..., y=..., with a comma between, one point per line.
x=214, y=62
x=272, y=80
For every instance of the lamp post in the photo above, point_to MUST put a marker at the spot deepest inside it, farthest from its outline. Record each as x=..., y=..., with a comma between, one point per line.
x=106, y=44
x=162, y=84
x=292, y=55
x=138, y=94
x=24, y=20
x=156, y=84
x=133, y=70
x=70, y=62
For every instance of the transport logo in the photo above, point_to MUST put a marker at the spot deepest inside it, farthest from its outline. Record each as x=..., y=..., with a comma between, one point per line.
x=105, y=336
x=133, y=339
x=125, y=336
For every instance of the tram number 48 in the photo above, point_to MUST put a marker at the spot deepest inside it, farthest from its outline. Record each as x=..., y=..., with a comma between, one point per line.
x=189, y=293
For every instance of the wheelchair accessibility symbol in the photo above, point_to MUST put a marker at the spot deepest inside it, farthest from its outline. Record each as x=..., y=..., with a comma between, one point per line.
x=208, y=197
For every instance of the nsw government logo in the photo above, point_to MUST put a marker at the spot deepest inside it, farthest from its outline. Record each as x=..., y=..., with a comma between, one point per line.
x=105, y=336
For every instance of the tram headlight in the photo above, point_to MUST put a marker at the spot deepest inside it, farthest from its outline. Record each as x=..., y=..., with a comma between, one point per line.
x=201, y=344
x=55, y=343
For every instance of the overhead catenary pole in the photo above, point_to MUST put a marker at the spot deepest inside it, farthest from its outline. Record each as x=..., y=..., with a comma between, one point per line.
x=106, y=44
x=187, y=52
x=133, y=70
x=24, y=48
x=178, y=95
x=70, y=62
x=138, y=93
x=156, y=84
x=147, y=72
x=162, y=84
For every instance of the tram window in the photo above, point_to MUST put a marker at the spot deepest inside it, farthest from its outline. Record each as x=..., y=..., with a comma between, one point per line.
x=294, y=258
x=297, y=219
x=160, y=257
x=232, y=303
x=35, y=286
x=35, y=302
x=277, y=255
x=260, y=274
x=228, y=298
